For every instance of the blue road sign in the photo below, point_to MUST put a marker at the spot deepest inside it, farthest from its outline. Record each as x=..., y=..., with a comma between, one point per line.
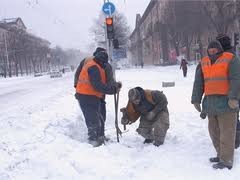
x=108, y=8
x=119, y=53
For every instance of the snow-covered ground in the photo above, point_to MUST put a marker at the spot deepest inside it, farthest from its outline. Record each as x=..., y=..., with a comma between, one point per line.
x=43, y=134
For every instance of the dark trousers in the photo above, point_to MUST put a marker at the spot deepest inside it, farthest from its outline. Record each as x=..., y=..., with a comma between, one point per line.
x=184, y=72
x=94, y=111
x=103, y=113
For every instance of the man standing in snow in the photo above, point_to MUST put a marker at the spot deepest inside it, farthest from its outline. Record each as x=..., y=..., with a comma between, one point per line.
x=91, y=88
x=218, y=77
x=225, y=41
x=110, y=80
x=151, y=107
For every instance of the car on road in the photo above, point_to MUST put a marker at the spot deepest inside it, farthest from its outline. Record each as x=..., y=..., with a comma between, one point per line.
x=37, y=74
x=55, y=74
x=67, y=69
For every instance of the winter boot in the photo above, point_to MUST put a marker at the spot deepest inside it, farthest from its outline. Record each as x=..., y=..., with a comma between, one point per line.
x=158, y=143
x=105, y=138
x=214, y=159
x=220, y=165
x=96, y=143
x=147, y=141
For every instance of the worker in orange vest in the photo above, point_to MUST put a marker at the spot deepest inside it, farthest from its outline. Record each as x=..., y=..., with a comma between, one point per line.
x=218, y=78
x=109, y=77
x=90, y=90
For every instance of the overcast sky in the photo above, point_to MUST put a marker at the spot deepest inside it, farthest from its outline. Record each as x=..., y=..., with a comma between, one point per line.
x=66, y=22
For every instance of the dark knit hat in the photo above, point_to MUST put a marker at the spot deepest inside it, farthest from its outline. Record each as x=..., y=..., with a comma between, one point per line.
x=133, y=94
x=215, y=44
x=98, y=50
x=225, y=41
x=101, y=56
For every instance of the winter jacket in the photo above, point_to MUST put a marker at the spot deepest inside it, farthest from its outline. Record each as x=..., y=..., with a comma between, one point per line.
x=107, y=67
x=77, y=73
x=108, y=88
x=217, y=104
x=95, y=79
x=85, y=85
x=216, y=74
x=151, y=101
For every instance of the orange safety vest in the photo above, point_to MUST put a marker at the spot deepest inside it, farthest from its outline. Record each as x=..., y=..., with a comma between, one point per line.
x=84, y=85
x=216, y=80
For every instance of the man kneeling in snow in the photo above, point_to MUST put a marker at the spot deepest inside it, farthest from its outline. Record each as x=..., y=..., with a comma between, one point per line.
x=151, y=107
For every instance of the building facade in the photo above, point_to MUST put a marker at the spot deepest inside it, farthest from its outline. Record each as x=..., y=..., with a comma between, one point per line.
x=20, y=51
x=153, y=44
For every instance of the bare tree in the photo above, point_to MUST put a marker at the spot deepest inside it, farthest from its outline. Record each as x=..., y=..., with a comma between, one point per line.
x=221, y=14
x=121, y=29
x=186, y=21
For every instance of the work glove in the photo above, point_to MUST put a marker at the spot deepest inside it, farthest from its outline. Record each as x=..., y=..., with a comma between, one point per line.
x=150, y=115
x=233, y=103
x=197, y=107
x=118, y=86
x=203, y=115
x=124, y=120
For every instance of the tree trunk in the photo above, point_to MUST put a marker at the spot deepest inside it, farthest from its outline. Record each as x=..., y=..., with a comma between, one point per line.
x=5, y=68
x=34, y=65
x=10, y=67
x=16, y=64
x=25, y=61
x=29, y=62
x=164, y=43
x=20, y=65
x=41, y=63
x=188, y=52
x=176, y=46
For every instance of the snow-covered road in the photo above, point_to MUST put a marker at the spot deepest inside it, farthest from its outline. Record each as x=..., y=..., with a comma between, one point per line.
x=43, y=134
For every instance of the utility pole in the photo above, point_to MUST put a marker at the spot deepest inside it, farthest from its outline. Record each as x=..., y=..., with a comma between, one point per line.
x=109, y=30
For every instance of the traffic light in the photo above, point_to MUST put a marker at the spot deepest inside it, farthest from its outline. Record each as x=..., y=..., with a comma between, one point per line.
x=110, y=30
x=115, y=44
x=236, y=39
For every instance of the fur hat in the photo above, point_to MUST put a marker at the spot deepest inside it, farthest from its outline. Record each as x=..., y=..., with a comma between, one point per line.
x=133, y=94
